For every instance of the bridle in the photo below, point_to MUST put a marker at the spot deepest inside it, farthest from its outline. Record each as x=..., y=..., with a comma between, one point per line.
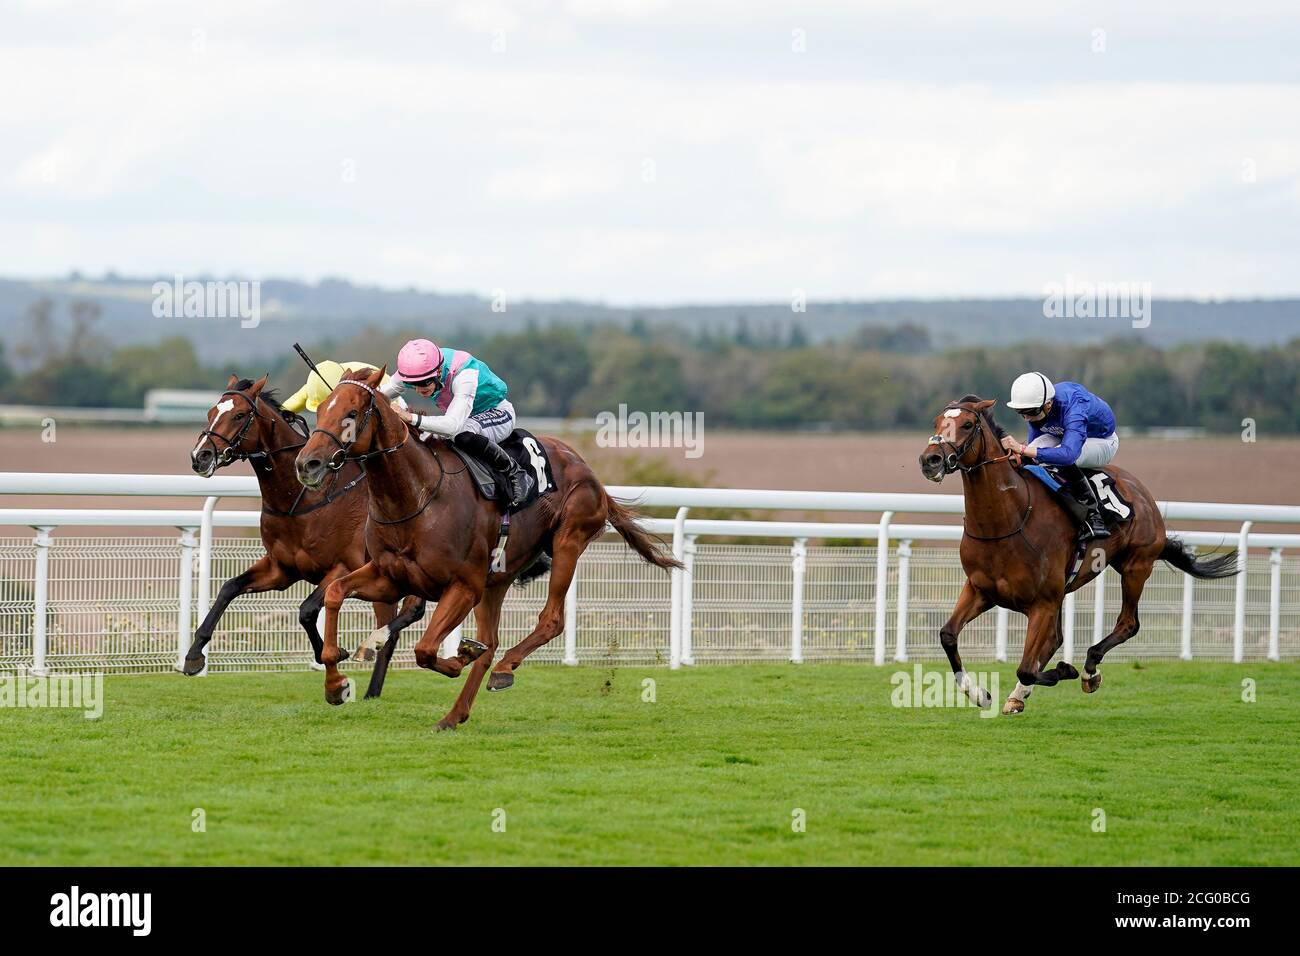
x=952, y=462
x=233, y=451
x=342, y=456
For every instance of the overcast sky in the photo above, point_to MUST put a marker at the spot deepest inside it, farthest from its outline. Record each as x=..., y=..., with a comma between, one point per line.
x=635, y=151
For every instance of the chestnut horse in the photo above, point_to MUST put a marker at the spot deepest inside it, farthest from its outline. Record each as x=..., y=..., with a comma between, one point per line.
x=432, y=534
x=311, y=536
x=1019, y=541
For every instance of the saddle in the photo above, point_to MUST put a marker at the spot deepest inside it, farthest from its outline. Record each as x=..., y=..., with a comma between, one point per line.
x=528, y=452
x=1115, y=509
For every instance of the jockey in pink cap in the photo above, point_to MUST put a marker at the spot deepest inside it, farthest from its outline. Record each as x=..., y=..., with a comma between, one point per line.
x=475, y=412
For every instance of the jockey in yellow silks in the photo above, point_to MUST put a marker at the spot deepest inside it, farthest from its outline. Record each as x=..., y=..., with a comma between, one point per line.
x=318, y=387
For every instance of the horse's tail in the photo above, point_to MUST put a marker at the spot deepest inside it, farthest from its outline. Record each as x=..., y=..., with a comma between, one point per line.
x=1176, y=553
x=649, y=547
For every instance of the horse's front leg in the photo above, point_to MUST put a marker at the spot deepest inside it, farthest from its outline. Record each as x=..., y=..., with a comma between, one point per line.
x=970, y=605
x=264, y=575
x=1041, y=641
x=368, y=584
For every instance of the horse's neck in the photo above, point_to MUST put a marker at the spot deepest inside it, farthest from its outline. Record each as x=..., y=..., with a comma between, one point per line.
x=995, y=498
x=275, y=473
x=401, y=481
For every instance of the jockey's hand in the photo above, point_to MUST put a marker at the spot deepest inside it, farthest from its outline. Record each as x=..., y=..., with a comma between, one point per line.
x=1010, y=444
x=404, y=414
x=1015, y=459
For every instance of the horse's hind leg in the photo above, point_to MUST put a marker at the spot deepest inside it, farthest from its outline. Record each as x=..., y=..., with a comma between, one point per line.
x=970, y=605
x=570, y=542
x=412, y=611
x=1133, y=578
x=487, y=618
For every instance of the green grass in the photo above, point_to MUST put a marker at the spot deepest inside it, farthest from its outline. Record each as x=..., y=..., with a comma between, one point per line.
x=1185, y=771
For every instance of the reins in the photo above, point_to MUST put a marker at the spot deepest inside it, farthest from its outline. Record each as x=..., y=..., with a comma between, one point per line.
x=232, y=452
x=341, y=456
x=952, y=462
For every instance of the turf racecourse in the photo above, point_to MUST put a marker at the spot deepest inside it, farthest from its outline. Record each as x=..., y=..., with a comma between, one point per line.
x=709, y=773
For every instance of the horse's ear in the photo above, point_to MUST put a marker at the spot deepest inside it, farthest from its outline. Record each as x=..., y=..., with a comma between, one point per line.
x=231, y=383
x=259, y=384
x=985, y=405
x=377, y=376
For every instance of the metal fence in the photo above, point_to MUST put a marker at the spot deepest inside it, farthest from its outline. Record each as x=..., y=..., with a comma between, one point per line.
x=115, y=604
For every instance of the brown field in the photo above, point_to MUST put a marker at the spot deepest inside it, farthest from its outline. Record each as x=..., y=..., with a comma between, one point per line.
x=1202, y=469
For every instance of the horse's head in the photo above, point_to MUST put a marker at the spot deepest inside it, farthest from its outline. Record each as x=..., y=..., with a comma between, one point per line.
x=959, y=438
x=232, y=431
x=350, y=424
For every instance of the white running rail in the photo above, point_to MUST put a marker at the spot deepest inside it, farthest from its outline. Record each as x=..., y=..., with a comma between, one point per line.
x=198, y=527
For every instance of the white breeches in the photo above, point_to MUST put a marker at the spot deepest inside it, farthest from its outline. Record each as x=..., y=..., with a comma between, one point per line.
x=1095, y=452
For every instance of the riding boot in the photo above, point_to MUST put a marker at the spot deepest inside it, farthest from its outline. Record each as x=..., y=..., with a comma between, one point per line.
x=1083, y=491
x=492, y=455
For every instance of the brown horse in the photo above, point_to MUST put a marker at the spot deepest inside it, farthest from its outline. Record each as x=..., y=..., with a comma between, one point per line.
x=316, y=536
x=1019, y=541
x=431, y=534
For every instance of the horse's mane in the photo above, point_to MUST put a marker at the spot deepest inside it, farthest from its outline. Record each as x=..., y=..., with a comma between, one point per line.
x=998, y=430
x=272, y=397
x=269, y=395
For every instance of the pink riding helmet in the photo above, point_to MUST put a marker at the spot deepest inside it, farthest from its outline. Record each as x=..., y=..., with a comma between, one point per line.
x=418, y=360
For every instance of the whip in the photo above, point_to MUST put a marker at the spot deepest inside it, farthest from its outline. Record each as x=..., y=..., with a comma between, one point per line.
x=312, y=365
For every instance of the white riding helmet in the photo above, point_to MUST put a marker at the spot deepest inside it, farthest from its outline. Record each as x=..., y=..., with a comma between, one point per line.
x=1031, y=390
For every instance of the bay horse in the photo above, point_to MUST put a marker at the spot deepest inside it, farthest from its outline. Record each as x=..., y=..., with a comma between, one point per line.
x=430, y=533
x=315, y=536
x=1019, y=541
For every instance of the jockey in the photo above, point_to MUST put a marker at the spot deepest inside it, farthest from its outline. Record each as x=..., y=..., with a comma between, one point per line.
x=475, y=413
x=318, y=387
x=1069, y=428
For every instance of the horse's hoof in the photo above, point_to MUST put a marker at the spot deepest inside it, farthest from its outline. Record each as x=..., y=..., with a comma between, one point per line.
x=1090, y=683
x=447, y=724
x=340, y=695
x=372, y=643
x=1066, y=671
x=364, y=654
x=1013, y=706
x=194, y=665
x=316, y=666
x=500, y=680
x=344, y=654
x=470, y=650
x=983, y=699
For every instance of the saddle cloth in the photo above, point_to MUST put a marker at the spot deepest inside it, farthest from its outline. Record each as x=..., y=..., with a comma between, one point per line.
x=1115, y=509
x=531, y=455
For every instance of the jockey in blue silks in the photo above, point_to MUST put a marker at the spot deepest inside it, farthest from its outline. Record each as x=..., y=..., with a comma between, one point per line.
x=1069, y=428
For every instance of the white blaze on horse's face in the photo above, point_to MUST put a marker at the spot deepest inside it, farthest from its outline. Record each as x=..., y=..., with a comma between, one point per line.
x=222, y=408
x=948, y=427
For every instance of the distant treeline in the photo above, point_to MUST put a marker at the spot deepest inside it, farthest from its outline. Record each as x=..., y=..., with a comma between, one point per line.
x=877, y=378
